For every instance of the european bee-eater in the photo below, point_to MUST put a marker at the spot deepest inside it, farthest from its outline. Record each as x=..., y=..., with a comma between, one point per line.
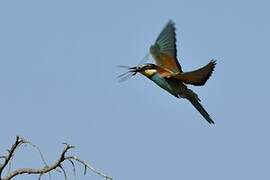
x=167, y=72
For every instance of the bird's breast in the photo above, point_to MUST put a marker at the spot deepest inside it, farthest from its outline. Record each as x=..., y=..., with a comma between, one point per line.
x=160, y=81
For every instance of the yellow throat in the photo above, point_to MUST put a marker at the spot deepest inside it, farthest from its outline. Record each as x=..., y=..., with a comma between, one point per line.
x=149, y=72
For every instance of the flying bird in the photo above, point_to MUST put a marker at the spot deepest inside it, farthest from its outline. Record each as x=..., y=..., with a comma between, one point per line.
x=167, y=72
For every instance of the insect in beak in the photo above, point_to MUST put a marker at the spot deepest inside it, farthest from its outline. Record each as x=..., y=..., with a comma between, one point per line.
x=132, y=71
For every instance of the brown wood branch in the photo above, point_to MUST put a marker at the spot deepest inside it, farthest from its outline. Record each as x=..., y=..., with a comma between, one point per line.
x=86, y=165
x=10, y=154
x=40, y=171
x=46, y=169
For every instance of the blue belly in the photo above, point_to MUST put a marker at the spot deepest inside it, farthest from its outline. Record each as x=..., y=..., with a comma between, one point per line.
x=164, y=84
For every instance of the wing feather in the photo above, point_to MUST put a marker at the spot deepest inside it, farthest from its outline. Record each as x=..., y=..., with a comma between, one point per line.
x=164, y=50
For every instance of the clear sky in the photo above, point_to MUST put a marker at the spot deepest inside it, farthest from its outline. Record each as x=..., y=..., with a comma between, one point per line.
x=58, y=84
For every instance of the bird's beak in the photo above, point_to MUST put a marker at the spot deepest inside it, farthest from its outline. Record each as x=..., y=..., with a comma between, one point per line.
x=132, y=71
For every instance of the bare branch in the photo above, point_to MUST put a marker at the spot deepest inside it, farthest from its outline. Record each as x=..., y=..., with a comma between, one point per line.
x=57, y=166
x=74, y=168
x=39, y=178
x=88, y=166
x=39, y=151
x=64, y=172
x=10, y=154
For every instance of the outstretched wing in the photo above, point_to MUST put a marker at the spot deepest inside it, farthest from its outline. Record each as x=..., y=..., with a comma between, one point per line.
x=199, y=76
x=164, y=50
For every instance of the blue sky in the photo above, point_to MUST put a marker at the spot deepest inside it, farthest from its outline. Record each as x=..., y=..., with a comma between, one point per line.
x=58, y=84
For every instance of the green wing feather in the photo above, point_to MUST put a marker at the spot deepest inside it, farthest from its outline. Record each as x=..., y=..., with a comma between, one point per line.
x=166, y=42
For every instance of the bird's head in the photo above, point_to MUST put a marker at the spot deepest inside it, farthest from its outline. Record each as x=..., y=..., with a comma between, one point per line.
x=147, y=70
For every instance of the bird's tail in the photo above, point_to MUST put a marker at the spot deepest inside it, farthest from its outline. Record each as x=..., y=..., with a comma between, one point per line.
x=195, y=101
x=199, y=76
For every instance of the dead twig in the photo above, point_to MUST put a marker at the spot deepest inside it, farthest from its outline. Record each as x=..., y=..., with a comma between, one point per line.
x=58, y=165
